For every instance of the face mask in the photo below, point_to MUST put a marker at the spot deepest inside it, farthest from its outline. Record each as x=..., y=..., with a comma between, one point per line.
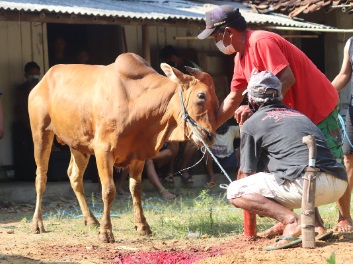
x=32, y=79
x=226, y=50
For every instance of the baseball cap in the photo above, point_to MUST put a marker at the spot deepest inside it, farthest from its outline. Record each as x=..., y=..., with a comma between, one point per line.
x=217, y=17
x=264, y=85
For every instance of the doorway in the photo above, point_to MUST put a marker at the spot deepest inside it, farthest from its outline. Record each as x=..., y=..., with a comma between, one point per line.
x=103, y=43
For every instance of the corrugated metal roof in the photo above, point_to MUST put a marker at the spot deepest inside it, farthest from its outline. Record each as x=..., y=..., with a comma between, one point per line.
x=296, y=7
x=148, y=9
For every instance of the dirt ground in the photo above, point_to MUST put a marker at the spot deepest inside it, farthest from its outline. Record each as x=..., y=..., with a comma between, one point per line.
x=18, y=245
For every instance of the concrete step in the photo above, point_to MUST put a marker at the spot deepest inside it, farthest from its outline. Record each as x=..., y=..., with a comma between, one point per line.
x=24, y=192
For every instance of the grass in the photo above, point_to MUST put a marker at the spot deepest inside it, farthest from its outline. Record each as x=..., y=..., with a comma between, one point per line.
x=332, y=258
x=194, y=214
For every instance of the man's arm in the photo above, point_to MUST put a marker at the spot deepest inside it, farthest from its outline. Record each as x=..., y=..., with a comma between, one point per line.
x=229, y=105
x=342, y=79
x=287, y=79
x=242, y=174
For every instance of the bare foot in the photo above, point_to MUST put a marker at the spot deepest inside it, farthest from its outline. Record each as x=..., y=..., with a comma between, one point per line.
x=166, y=194
x=291, y=232
x=320, y=230
x=344, y=225
x=275, y=230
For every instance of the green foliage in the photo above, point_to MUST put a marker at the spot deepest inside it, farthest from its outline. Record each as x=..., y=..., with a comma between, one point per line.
x=332, y=258
x=204, y=215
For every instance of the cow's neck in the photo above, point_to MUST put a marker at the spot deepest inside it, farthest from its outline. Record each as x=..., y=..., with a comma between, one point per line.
x=171, y=119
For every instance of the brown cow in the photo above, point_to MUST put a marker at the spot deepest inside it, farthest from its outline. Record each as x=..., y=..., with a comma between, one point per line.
x=122, y=113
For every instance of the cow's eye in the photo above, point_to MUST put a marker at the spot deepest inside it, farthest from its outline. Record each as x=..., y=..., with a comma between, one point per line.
x=201, y=96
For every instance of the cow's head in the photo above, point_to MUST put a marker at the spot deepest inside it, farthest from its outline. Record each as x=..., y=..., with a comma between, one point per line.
x=196, y=99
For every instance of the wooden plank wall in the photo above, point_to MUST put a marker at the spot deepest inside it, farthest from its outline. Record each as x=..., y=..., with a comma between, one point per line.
x=161, y=36
x=20, y=42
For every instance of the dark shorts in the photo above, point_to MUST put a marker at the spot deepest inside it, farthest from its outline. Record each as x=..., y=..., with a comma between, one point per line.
x=347, y=148
x=229, y=163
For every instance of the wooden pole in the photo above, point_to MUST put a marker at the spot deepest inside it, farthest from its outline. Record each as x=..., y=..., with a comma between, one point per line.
x=308, y=200
x=249, y=225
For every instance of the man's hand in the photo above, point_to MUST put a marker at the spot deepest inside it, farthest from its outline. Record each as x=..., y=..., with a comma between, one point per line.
x=242, y=114
x=242, y=174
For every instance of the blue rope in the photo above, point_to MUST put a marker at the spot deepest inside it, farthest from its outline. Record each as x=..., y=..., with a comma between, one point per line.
x=343, y=126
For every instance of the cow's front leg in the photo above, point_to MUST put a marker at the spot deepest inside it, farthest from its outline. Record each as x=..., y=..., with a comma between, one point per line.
x=141, y=224
x=105, y=164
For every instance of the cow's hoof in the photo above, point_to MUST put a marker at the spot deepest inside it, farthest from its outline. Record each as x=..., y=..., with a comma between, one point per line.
x=91, y=222
x=144, y=230
x=106, y=237
x=38, y=227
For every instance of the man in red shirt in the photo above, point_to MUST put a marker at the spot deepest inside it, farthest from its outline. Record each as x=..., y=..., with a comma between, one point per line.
x=304, y=86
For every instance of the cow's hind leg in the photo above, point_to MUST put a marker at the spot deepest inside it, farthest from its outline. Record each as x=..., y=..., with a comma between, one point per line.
x=42, y=141
x=141, y=224
x=105, y=163
x=77, y=167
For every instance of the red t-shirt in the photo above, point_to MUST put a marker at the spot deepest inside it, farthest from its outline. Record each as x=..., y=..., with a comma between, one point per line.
x=311, y=94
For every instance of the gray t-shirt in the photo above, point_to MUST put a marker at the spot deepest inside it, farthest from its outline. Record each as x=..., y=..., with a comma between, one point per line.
x=272, y=139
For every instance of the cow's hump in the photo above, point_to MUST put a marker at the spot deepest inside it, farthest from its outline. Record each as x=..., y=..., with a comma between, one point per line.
x=133, y=65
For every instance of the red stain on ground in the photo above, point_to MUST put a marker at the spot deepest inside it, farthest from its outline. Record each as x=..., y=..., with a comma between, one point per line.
x=165, y=257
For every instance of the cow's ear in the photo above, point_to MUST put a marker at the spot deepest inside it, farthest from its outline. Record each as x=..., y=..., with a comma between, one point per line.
x=172, y=73
x=202, y=76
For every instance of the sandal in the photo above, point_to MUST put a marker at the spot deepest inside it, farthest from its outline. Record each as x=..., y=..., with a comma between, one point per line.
x=186, y=179
x=169, y=178
x=210, y=185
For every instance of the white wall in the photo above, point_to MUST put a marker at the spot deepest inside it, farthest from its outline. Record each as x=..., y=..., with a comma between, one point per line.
x=20, y=42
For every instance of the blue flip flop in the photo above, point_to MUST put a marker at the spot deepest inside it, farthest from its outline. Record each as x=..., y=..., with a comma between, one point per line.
x=293, y=241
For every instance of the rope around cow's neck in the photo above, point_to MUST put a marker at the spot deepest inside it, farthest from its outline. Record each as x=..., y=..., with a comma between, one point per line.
x=192, y=123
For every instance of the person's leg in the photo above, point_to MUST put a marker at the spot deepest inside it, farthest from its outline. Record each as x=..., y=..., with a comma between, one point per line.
x=344, y=219
x=209, y=167
x=188, y=153
x=262, y=191
x=123, y=176
x=173, y=148
x=163, y=157
x=263, y=206
x=154, y=178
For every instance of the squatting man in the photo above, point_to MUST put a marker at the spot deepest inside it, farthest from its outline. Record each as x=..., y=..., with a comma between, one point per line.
x=273, y=160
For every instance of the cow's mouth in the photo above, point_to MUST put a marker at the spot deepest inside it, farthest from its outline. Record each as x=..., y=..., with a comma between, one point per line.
x=203, y=138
